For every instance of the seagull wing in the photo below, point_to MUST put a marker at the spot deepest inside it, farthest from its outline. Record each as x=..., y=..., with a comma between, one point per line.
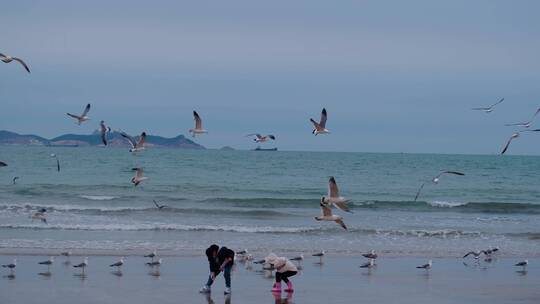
x=130, y=139
x=155, y=203
x=454, y=172
x=198, y=121
x=517, y=124
x=341, y=223
x=498, y=102
x=323, y=118
x=86, y=110
x=507, y=145
x=315, y=124
x=3, y=164
x=139, y=172
x=57, y=164
x=419, y=190
x=272, y=137
x=22, y=63
x=73, y=115
x=480, y=109
x=141, y=140
x=103, y=133
x=342, y=206
x=333, y=190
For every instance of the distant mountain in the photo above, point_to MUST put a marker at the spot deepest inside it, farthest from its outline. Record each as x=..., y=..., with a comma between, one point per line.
x=114, y=140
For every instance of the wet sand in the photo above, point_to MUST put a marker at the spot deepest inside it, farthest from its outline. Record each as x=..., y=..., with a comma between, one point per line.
x=338, y=280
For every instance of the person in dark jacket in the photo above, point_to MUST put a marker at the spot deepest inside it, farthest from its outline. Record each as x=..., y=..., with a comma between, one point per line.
x=219, y=259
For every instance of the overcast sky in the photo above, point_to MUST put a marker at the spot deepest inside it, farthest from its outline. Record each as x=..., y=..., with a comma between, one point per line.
x=395, y=76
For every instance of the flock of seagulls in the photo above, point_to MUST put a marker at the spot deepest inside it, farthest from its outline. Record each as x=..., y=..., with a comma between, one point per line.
x=526, y=124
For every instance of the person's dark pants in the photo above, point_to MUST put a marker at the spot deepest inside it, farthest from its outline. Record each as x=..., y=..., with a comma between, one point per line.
x=226, y=273
x=284, y=276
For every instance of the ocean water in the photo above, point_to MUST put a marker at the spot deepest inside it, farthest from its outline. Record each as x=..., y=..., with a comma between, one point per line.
x=267, y=201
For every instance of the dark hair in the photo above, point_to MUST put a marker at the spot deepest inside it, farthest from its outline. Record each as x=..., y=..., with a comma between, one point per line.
x=210, y=250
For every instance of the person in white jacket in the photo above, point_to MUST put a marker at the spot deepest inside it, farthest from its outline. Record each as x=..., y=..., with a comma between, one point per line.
x=284, y=270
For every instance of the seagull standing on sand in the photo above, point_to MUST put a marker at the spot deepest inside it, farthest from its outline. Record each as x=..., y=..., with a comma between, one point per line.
x=136, y=146
x=154, y=263
x=83, y=117
x=103, y=129
x=369, y=264
x=57, y=162
x=159, y=206
x=11, y=266
x=526, y=124
x=320, y=127
x=138, y=178
x=198, y=125
x=48, y=262
x=82, y=265
x=522, y=264
x=370, y=255
x=426, y=266
x=515, y=135
x=328, y=216
x=260, y=138
x=435, y=180
x=490, y=108
x=151, y=255
x=8, y=59
x=320, y=255
x=118, y=264
x=333, y=197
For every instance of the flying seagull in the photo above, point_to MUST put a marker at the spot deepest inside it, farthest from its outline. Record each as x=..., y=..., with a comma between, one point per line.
x=48, y=262
x=260, y=138
x=8, y=59
x=475, y=254
x=426, y=266
x=320, y=127
x=159, y=206
x=198, y=125
x=57, y=162
x=526, y=124
x=82, y=265
x=118, y=264
x=328, y=216
x=490, y=108
x=370, y=255
x=83, y=117
x=136, y=146
x=138, y=178
x=11, y=266
x=515, y=135
x=333, y=197
x=435, y=180
x=103, y=129
x=14, y=180
x=3, y=164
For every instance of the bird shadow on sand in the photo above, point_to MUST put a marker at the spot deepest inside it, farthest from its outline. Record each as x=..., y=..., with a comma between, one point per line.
x=155, y=273
x=45, y=275
x=9, y=277
x=522, y=272
x=81, y=276
x=117, y=273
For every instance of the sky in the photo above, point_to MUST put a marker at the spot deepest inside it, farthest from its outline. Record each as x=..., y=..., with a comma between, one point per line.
x=394, y=76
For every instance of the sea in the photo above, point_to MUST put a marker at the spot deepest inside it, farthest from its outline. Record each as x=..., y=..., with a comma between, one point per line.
x=266, y=201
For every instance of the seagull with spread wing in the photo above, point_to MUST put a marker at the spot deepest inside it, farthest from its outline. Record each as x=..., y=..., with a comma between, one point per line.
x=333, y=197
x=198, y=125
x=83, y=117
x=8, y=59
x=136, y=146
x=159, y=206
x=328, y=216
x=526, y=124
x=103, y=130
x=490, y=108
x=320, y=127
x=436, y=179
x=138, y=178
x=514, y=136
x=260, y=138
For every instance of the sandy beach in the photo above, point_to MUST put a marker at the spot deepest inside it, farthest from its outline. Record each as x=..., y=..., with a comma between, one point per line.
x=338, y=280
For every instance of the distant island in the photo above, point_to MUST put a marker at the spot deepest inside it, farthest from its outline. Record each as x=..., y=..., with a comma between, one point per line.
x=76, y=140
